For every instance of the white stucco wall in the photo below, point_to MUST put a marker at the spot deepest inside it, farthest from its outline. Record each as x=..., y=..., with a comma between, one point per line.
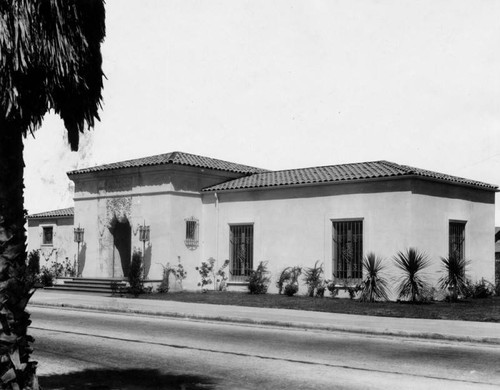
x=62, y=246
x=161, y=197
x=294, y=226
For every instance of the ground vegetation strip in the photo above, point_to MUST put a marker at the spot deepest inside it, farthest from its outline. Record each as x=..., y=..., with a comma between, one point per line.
x=484, y=310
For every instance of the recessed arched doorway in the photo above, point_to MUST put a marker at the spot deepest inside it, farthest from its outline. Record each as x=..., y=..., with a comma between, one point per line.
x=122, y=247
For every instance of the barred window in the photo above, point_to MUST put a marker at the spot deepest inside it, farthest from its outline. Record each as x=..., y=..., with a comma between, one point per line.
x=456, y=240
x=241, y=251
x=47, y=235
x=348, y=249
x=191, y=239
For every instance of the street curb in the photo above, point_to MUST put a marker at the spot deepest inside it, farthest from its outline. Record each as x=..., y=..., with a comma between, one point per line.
x=284, y=324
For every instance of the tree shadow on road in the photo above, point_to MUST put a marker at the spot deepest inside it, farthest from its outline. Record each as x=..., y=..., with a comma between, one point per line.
x=110, y=379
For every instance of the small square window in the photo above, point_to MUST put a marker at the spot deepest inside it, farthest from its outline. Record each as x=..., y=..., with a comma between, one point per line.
x=48, y=235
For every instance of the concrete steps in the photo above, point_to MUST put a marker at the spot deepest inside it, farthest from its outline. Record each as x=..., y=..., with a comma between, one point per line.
x=96, y=285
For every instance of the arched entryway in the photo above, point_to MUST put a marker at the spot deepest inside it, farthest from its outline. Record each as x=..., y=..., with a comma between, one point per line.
x=122, y=246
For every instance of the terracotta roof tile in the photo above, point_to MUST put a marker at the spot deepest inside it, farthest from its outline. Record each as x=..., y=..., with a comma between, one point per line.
x=337, y=173
x=179, y=158
x=68, y=212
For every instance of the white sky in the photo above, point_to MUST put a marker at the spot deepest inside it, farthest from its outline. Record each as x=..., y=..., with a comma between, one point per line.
x=289, y=84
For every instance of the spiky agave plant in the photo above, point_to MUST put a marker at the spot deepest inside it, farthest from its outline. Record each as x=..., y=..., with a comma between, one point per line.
x=454, y=275
x=374, y=286
x=411, y=263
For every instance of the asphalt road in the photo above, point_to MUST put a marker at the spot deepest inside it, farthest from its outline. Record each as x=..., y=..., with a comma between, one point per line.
x=81, y=350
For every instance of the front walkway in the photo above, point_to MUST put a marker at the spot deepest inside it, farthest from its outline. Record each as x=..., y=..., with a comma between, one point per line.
x=470, y=331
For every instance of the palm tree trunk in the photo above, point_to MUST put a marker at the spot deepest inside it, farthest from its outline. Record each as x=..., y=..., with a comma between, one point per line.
x=16, y=371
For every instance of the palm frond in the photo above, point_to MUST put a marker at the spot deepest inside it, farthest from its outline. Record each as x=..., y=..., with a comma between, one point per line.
x=50, y=58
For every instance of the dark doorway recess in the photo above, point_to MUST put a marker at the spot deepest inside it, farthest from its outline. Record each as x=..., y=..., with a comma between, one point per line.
x=122, y=241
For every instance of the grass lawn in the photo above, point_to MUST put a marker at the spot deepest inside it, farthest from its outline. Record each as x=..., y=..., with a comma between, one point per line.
x=469, y=310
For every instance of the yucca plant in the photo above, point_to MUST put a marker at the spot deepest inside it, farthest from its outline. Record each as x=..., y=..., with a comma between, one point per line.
x=374, y=286
x=454, y=276
x=50, y=59
x=412, y=264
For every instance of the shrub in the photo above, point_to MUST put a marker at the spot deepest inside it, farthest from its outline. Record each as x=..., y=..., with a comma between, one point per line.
x=291, y=282
x=136, y=274
x=479, y=290
x=351, y=288
x=33, y=268
x=258, y=280
x=47, y=277
x=374, y=286
x=313, y=277
x=411, y=263
x=284, y=277
x=208, y=275
x=320, y=291
x=454, y=279
x=178, y=272
x=67, y=269
x=291, y=289
x=332, y=287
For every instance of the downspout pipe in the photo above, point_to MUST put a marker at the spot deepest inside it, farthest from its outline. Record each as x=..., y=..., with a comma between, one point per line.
x=216, y=229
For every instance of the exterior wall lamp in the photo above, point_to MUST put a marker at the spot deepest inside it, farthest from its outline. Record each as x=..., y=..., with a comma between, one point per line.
x=144, y=233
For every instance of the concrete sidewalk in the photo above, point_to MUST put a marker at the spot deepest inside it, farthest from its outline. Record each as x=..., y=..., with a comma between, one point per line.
x=468, y=331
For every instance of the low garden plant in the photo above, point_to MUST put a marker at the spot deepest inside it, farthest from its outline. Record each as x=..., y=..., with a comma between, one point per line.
x=136, y=274
x=375, y=286
x=209, y=275
x=259, y=279
x=292, y=282
x=313, y=277
x=178, y=272
x=412, y=264
x=454, y=279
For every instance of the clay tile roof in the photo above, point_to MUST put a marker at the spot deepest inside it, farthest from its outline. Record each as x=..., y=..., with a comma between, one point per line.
x=338, y=173
x=68, y=212
x=179, y=158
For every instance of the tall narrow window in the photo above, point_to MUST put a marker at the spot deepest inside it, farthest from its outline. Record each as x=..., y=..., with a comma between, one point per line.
x=47, y=235
x=347, y=249
x=456, y=247
x=241, y=251
x=191, y=239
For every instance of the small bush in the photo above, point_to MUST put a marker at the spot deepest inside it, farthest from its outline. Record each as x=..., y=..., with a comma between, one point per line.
x=178, y=272
x=136, y=274
x=33, y=268
x=291, y=289
x=284, y=277
x=320, y=291
x=480, y=290
x=209, y=275
x=258, y=280
x=313, y=277
x=47, y=277
x=291, y=280
x=332, y=287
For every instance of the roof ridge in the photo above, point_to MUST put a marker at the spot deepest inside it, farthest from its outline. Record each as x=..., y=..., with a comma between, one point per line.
x=176, y=157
